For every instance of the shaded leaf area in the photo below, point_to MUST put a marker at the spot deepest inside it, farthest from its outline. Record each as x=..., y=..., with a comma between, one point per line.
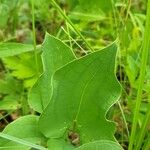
x=23, y=67
x=10, y=93
x=25, y=128
x=90, y=10
x=12, y=49
x=83, y=91
x=55, y=55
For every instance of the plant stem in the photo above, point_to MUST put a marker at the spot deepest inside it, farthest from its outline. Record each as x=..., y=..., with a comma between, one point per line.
x=35, y=52
x=142, y=76
x=128, y=9
x=34, y=39
x=20, y=141
x=143, y=130
x=124, y=118
x=71, y=24
x=72, y=39
x=147, y=144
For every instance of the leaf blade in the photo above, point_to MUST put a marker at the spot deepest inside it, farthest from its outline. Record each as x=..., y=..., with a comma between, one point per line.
x=68, y=85
x=12, y=49
x=100, y=145
x=55, y=55
x=25, y=130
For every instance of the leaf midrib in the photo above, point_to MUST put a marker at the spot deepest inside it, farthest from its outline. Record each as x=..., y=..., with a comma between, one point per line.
x=82, y=95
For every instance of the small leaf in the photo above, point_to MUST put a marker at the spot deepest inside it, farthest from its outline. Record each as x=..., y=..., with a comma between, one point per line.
x=10, y=102
x=12, y=49
x=25, y=128
x=10, y=93
x=23, y=67
x=88, y=10
x=55, y=55
x=83, y=91
x=4, y=10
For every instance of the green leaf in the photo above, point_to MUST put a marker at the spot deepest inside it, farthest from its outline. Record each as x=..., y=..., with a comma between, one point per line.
x=10, y=102
x=91, y=10
x=55, y=55
x=12, y=49
x=100, y=145
x=4, y=10
x=95, y=5
x=23, y=67
x=55, y=144
x=9, y=85
x=24, y=128
x=83, y=92
x=20, y=141
x=11, y=93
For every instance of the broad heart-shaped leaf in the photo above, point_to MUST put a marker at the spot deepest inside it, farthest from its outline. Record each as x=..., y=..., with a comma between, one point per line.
x=25, y=128
x=55, y=55
x=100, y=145
x=83, y=91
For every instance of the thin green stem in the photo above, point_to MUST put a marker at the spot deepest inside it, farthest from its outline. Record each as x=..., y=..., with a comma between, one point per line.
x=71, y=24
x=35, y=51
x=147, y=144
x=34, y=39
x=3, y=117
x=72, y=39
x=124, y=118
x=128, y=9
x=143, y=130
x=68, y=31
x=141, y=77
x=20, y=141
x=118, y=35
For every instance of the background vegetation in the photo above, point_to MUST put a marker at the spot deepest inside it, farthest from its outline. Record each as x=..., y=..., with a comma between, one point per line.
x=84, y=25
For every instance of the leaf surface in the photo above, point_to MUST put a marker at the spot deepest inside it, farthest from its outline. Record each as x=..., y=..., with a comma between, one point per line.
x=25, y=128
x=88, y=10
x=11, y=93
x=100, y=145
x=23, y=67
x=12, y=49
x=83, y=91
x=55, y=55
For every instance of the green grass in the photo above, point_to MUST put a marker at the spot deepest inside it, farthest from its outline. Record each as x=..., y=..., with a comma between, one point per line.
x=144, y=60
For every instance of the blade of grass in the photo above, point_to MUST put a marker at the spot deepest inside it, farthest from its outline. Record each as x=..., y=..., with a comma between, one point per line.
x=74, y=41
x=3, y=117
x=120, y=72
x=143, y=130
x=68, y=31
x=21, y=141
x=128, y=9
x=71, y=24
x=34, y=39
x=141, y=77
x=35, y=51
x=147, y=144
x=124, y=118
